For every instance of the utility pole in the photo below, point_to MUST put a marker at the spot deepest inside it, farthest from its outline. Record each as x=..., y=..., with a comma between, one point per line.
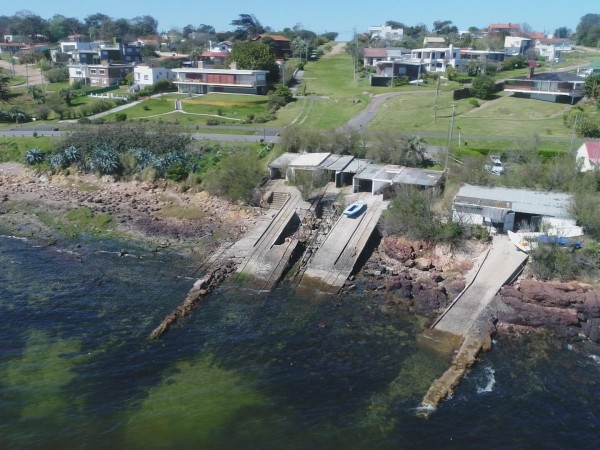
x=573, y=133
x=449, y=138
x=435, y=102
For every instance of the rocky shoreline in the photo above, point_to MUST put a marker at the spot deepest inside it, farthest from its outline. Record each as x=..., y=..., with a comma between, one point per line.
x=405, y=275
x=147, y=211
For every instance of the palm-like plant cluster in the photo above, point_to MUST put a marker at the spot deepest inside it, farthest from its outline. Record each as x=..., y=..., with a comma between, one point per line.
x=34, y=156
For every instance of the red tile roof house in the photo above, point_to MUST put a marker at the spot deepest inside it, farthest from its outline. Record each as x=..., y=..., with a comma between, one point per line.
x=588, y=155
x=282, y=44
x=511, y=29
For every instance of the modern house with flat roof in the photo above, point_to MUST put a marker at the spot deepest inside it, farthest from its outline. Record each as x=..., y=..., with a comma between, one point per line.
x=511, y=209
x=547, y=86
x=204, y=81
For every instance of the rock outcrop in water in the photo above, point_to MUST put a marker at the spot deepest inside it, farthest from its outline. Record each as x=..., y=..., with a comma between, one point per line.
x=201, y=288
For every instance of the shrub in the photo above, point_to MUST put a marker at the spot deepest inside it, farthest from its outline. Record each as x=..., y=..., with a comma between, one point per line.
x=401, y=81
x=474, y=102
x=120, y=117
x=34, y=156
x=483, y=87
x=213, y=122
x=57, y=161
x=57, y=75
x=105, y=160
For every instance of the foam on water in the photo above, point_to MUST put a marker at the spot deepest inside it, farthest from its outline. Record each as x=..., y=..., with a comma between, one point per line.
x=490, y=381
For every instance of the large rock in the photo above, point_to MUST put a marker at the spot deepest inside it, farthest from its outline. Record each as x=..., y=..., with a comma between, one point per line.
x=401, y=285
x=545, y=294
x=589, y=304
x=534, y=315
x=591, y=329
x=427, y=300
x=423, y=264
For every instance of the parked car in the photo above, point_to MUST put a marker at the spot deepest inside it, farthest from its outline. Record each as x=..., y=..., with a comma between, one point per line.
x=495, y=165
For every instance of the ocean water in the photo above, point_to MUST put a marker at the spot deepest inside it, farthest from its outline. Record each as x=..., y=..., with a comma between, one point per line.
x=252, y=370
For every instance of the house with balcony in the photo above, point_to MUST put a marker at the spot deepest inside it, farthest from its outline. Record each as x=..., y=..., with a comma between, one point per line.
x=234, y=81
x=552, y=49
x=100, y=75
x=387, y=71
x=373, y=55
x=437, y=59
x=560, y=87
x=468, y=54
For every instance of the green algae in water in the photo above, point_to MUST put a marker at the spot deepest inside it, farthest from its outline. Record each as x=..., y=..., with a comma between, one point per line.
x=190, y=406
x=35, y=380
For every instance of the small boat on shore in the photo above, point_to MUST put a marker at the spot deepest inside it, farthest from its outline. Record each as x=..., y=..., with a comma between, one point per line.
x=520, y=242
x=354, y=209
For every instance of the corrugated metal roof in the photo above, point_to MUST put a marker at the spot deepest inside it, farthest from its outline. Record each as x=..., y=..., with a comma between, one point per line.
x=336, y=162
x=369, y=172
x=356, y=165
x=309, y=159
x=545, y=203
x=419, y=177
x=283, y=161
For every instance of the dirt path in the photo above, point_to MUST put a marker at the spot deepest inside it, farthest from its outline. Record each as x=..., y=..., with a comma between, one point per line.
x=338, y=48
x=33, y=74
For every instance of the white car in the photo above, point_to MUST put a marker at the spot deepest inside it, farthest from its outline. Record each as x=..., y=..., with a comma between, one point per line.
x=495, y=165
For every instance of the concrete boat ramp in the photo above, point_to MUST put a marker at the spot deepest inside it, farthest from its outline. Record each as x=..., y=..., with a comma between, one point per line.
x=336, y=257
x=465, y=327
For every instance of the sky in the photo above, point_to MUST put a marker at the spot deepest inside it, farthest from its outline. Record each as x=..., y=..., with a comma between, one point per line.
x=341, y=16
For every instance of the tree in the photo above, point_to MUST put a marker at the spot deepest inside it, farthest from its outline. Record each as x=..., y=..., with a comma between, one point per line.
x=395, y=25
x=254, y=56
x=483, y=87
x=4, y=87
x=444, y=27
x=300, y=47
x=592, y=86
x=413, y=151
x=588, y=30
x=37, y=94
x=29, y=24
x=562, y=32
x=248, y=26
x=67, y=95
x=143, y=26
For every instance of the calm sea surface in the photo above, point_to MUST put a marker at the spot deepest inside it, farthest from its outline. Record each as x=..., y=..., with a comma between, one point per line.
x=252, y=371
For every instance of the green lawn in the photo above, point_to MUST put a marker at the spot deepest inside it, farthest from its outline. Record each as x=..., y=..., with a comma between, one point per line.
x=504, y=116
x=13, y=149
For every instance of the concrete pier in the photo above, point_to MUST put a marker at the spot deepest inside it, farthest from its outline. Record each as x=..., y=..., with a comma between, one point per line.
x=333, y=262
x=465, y=327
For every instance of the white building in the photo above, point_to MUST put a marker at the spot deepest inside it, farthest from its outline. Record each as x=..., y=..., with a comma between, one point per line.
x=588, y=155
x=386, y=32
x=552, y=49
x=437, y=59
x=144, y=76
x=511, y=209
x=516, y=45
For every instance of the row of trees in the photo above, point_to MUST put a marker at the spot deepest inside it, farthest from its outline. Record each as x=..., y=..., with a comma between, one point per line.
x=58, y=27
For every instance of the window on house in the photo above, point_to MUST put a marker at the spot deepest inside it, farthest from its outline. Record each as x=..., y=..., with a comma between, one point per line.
x=102, y=71
x=145, y=77
x=92, y=70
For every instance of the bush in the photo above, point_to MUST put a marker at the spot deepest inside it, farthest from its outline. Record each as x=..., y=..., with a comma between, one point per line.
x=34, y=156
x=483, y=87
x=57, y=75
x=213, y=122
x=550, y=261
x=401, y=81
x=120, y=117
x=474, y=102
x=163, y=86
